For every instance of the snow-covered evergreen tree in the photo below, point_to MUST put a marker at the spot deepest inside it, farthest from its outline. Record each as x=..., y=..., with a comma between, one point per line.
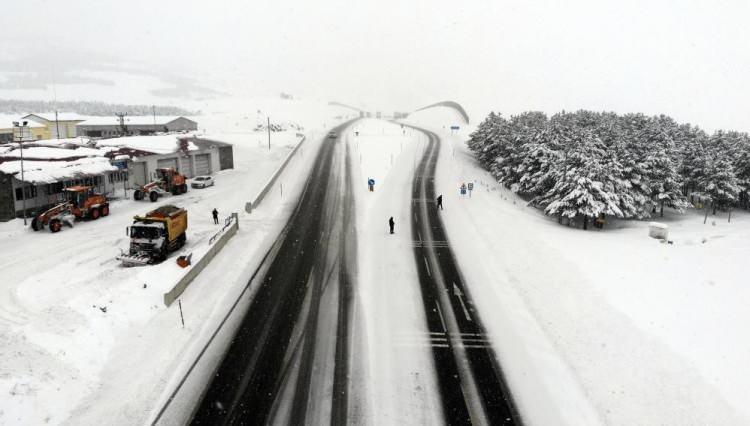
x=585, y=163
x=584, y=187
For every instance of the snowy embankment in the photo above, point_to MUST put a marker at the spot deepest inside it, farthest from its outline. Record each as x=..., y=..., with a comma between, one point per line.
x=78, y=331
x=393, y=365
x=608, y=326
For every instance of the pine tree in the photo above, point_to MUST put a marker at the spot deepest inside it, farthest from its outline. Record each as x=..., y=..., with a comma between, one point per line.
x=584, y=187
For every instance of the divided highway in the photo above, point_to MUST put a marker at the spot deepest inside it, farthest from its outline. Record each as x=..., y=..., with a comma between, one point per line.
x=290, y=360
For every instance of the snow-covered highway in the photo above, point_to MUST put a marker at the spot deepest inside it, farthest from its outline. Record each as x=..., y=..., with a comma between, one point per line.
x=472, y=385
x=288, y=362
x=294, y=359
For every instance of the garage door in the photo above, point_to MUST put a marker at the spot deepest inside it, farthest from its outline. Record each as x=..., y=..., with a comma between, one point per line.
x=138, y=171
x=203, y=164
x=167, y=162
x=185, y=168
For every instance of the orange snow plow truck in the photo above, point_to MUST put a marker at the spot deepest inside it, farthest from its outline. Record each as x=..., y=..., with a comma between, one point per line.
x=155, y=235
x=81, y=202
x=168, y=181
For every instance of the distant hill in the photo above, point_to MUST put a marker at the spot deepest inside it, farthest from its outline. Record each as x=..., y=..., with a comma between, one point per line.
x=14, y=106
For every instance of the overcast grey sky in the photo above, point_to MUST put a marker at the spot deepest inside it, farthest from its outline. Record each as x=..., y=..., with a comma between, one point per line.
x=684, y=58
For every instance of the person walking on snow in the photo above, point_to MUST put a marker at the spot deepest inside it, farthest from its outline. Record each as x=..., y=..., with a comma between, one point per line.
x=215, y=214
x=440, y=201
x=391, y=223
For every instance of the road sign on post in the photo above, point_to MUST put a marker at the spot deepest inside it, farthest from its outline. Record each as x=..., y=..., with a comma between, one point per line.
x=463, y=189
x=471, y=188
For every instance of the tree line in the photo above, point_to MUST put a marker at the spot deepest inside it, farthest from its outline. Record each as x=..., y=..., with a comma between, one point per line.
x=586, y=165
x=17, y=106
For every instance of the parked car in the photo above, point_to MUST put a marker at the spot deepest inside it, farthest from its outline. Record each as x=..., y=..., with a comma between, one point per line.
x=202, y=182
x=332, y=134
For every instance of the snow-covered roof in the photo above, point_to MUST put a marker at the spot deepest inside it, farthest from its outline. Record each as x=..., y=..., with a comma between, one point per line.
x=7, y=120
x=80, y=141
x=50, y=153
x=159, y=144
x=61, y=116
x=54, y=171
x=130, y=120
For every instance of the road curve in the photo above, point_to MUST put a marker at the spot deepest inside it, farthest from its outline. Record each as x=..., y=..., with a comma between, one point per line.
x=472, y=386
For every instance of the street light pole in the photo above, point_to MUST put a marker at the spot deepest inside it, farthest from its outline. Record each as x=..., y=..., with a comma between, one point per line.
x=21, y=128
x=269, y=133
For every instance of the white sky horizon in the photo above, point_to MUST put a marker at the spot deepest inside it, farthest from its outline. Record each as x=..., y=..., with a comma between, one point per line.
x=685, y=59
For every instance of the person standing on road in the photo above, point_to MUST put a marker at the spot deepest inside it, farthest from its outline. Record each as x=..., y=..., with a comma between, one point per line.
x=440, y=201
x=215, y=214
x=391, y=224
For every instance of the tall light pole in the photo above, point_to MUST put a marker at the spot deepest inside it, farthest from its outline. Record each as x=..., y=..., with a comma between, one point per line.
x=269, y=132
x=57, y=126
x=22, y=128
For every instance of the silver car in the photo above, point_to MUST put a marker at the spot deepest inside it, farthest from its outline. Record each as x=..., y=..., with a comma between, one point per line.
x=202, y=182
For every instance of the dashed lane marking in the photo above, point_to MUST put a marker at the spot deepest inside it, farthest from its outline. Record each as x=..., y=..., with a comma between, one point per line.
x=440, y=312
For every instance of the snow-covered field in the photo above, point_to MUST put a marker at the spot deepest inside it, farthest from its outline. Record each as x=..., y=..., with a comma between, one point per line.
x=84, y=340
x=603, y=327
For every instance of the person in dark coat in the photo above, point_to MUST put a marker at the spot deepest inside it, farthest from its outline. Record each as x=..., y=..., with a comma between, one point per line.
x=391, y=223
x=440, y=201
x=215, y=214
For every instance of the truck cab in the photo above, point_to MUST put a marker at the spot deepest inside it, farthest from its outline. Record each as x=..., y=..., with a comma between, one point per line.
x=155, y=235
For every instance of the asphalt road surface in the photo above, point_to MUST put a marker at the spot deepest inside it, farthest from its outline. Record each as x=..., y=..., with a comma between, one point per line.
x=472, y=387
x=289, y=361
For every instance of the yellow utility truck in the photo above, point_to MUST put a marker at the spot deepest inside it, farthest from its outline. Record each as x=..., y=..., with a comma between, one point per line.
x=153, y=236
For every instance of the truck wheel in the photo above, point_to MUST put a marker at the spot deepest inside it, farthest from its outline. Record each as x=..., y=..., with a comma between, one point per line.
x=153, y=196
x=55, y=225
x=105, y=211
x=181, y=240
x=138, y=195
x=94, y=214
x=184, y=188
x=35, y=224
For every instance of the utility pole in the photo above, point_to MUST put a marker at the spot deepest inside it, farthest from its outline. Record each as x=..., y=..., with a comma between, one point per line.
x=269, y=133
x=121, y=119
x=153, y=111
x=57, y=125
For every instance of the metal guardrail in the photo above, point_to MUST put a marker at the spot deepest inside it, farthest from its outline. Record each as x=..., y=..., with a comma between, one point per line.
x=227, y=222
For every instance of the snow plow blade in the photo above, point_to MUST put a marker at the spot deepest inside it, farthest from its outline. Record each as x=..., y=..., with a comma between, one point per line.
x=128, y=260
